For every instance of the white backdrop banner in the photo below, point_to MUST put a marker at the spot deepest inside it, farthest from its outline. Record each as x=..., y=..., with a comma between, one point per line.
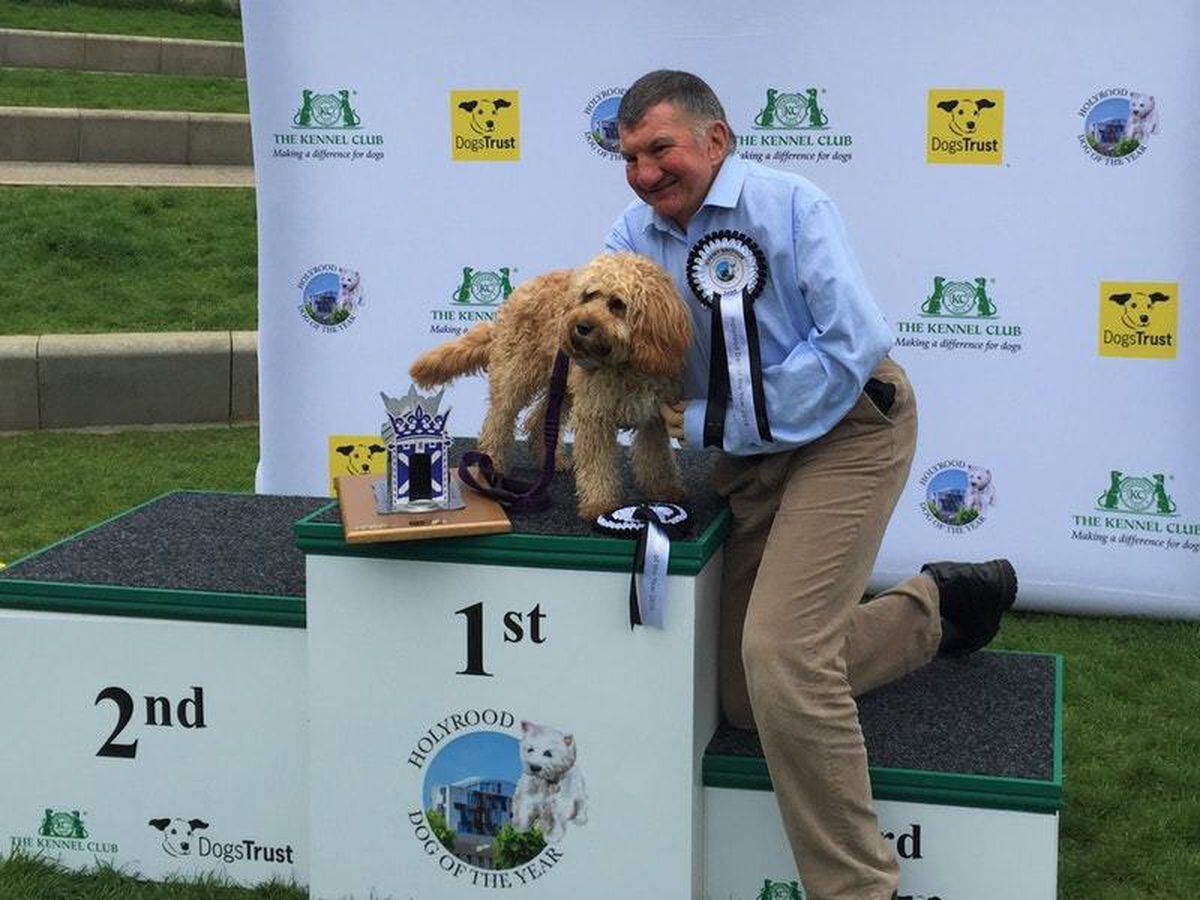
x=1018, y=198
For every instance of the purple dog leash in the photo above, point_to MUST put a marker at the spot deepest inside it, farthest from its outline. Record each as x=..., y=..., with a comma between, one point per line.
x=522, y=496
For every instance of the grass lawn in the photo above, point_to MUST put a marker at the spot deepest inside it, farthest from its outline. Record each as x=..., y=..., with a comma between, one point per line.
x=97, y=90
x=95, y=260
x=121, y=17
x=1131, y=813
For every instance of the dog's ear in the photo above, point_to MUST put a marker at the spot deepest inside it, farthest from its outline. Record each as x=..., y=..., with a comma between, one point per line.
x=569, y=740
x=1119, y=299
x=375, y=448
x=160, y=824
x=527, y=726
x=500, y=104
x=197, y=824
x=948, y=105
x=662, y=330
x=1159, y=297
x=345, y=449
x=468, y=105
x=985, y=103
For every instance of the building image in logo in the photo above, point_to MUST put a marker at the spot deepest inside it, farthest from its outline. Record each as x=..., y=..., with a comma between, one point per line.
x=1139, y=319
x=958, y=495
x=326, y=111
x=485, y=126
x=959, y=299
x=330, y=297
x=601, y=114
x=483, y=288
x=965, y=125
x=793, y=125
x=1118, y=125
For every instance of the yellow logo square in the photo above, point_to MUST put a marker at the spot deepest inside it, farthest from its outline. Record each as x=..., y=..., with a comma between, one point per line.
x=484, y=125
x=355, y=454
x=966, y=125
x=1139, y=319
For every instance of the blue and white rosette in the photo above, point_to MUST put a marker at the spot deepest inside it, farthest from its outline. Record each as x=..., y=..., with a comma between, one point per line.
x=727, y=271
x=652, y=524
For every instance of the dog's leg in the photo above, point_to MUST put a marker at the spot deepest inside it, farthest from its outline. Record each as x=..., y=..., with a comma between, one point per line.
x=654, y=465
x=597, y=482
x=507, y=396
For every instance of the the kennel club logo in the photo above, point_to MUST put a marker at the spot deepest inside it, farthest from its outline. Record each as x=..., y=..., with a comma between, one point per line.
x=792, y=126
x=330, y=297
x=500, y=797
x=62, y=829
x=475, y=297
x=600, y=114
x=179, y=837
x=1118, y=125
x=485, y=125
x=960, y=314
x=958, y=496
x=1139, y=319
x=965, y=125
x=1137, y=509
x=327, y=126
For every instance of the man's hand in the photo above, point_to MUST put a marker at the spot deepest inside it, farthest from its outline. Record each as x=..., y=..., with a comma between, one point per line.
x=672, y=414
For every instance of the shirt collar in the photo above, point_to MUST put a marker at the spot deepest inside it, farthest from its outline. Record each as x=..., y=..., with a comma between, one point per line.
x=724, y=192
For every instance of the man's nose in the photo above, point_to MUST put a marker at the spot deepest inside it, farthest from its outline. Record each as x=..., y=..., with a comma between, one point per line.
x=646, y=174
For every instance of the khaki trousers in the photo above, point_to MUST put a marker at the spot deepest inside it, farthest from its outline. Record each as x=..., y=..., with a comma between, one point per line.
x=796, y=642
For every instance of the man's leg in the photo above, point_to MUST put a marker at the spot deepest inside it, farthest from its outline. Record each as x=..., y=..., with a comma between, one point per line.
x=834, y=503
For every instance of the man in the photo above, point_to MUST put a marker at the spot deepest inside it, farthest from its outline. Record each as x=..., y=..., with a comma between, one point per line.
x=811, y=502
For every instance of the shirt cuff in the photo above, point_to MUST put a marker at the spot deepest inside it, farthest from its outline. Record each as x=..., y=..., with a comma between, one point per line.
x=693, y=423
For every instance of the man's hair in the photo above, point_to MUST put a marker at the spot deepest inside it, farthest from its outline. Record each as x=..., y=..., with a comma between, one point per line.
x=685, y=91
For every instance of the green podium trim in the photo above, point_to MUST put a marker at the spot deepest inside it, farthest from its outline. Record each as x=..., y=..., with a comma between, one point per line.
x=595, y=553
x=916, y=786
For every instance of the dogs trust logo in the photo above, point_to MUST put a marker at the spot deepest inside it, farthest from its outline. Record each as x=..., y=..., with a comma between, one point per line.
x=1139, y=319
x=1118, y=125
x=601, y=114
x=966, y=126
x=325, y=127
x=961, y=316
x=180, y=838
x=793, y=127
x=958, y=496
x=330, y=297
x=474, y=299
x=499, y=798
x=484, y=126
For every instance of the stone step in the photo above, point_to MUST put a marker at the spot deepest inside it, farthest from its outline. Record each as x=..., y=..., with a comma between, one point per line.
x=113, y=380
x=21, y=48
x=44, y=134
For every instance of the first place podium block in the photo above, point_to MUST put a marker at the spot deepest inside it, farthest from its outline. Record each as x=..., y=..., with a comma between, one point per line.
x=464, y=690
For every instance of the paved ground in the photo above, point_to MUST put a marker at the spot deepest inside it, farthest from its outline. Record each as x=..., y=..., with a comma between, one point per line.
x=111, y=174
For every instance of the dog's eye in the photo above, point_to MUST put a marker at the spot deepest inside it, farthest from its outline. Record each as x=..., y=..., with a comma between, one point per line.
x=616, y=306
x=546, y=753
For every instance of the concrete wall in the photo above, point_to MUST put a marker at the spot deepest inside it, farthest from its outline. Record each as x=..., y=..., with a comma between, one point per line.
x=120, y=53
x=78, y=381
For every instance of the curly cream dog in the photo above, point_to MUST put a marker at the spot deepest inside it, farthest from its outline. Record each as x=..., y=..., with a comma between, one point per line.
x=625, y=328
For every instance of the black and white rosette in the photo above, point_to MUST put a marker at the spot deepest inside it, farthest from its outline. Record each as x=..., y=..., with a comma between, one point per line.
x=727, y=271
x=652, y=524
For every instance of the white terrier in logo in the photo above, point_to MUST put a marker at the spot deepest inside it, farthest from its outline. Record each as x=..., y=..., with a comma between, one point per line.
x=981, y=493
x=177, y=834
x=551, y=792
x=1143, y=118
x=348, y=293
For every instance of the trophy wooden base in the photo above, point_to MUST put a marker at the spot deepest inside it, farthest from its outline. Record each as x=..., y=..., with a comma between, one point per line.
x=364, y=524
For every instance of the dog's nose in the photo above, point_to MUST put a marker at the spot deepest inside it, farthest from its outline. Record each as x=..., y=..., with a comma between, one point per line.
x=583, y=329
x=535, y=769
x=184, y=846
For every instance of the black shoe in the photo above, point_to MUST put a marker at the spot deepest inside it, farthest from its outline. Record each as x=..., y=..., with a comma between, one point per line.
x=973, y=596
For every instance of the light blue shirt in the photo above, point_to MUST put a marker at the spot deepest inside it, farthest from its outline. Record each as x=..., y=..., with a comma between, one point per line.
x=820, y=332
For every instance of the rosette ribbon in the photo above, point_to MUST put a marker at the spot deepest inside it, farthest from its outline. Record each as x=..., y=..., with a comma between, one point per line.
x=652, y=523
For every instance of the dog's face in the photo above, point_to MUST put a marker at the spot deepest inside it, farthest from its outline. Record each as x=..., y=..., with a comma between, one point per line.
x=1137, y=309
x=546, y=752
x=1141, y=106
x=484, y=113
x=348, y=280
x=358, y=457
x=177, y=834
x=964, y=114
x=978, y=478
x=626, y=312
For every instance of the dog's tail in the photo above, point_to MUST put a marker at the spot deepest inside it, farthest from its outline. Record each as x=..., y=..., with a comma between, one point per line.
x=467, y=355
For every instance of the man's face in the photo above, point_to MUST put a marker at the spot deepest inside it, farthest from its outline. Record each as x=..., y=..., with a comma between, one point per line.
x=667, y=165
